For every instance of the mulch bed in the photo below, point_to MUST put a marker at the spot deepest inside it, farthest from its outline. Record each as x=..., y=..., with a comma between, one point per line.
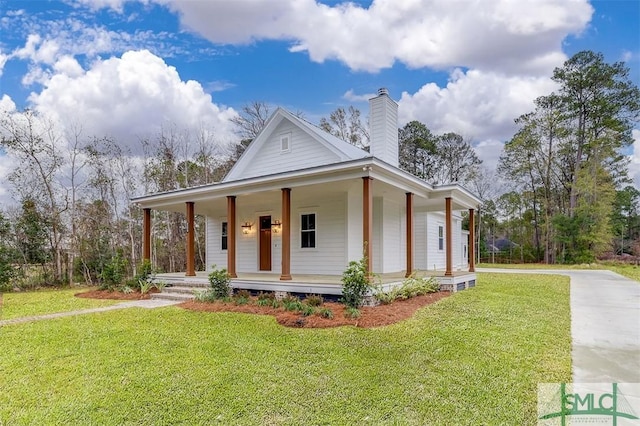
x=115, y=295
x=370, y=316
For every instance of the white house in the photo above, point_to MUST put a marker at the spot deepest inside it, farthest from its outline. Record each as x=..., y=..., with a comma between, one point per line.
x=300, y=204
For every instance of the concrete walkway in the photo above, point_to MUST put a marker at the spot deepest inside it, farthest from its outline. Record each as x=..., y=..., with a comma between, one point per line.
x=147, y=304
x=605, y=324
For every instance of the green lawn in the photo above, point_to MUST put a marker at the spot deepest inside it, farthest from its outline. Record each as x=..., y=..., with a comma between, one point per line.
x=473, y=358
x=24, y=304
x=629, y=271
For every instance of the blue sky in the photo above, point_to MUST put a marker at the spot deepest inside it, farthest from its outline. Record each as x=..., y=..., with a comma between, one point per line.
x=125, y=68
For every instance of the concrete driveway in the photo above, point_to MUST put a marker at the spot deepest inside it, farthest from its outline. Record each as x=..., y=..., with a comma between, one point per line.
x=605, y=324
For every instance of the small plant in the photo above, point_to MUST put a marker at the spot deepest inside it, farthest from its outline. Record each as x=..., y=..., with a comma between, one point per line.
x=356, y=282
x=352, y=313
x=326, y=313
x=292, y=303
x=160, y=285
x=204, y=296
x=269, y=295
x=314, y=300
x=307, y=310
x=263, y=302
x=220, y=283
x=246, y=294
x=411, y=287
x=145, y=285
x=275, y=303
x=126, y=289
x=242, y=297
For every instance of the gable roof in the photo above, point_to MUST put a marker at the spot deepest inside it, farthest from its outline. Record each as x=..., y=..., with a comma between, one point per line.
x=343, y=151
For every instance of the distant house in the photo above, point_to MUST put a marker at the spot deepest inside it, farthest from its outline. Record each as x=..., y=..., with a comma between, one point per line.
x=300, y=204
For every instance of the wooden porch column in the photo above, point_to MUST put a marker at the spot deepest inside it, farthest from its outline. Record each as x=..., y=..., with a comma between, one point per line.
x=367, y=220
x=146, y=234
x=409, y=220
x=286, y=234
x=449, y=238
x=231, y=236
x=191, y=258
x=472, y=241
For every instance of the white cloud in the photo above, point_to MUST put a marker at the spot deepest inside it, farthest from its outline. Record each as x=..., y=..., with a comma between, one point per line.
x=129, y=98
x=634, y=164
x=478, y=105
x=523, y=36
x=351, y=96
x=6, y=104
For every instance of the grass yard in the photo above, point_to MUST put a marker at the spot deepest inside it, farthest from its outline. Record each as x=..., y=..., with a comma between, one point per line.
x=629, y=271
x=25, y=304
x=473, y=358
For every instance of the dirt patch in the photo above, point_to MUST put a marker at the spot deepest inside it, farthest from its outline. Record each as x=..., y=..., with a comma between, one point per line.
x=115, y=295
x=370, y=316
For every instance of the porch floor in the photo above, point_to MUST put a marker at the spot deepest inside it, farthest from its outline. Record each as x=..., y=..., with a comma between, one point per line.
x=181, y=287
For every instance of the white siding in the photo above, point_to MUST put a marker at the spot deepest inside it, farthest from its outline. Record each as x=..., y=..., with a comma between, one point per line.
x=329, y=255
x=393, y=232
x=353, y=225
x=435, y=256
x=420, y=241
x=378, y=237
x=304, y=152
x=215, y=254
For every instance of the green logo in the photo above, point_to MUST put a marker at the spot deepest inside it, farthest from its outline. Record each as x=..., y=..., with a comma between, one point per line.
x=587, y=402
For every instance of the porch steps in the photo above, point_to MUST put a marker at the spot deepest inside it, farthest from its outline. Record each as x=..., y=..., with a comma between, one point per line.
x=180, y=288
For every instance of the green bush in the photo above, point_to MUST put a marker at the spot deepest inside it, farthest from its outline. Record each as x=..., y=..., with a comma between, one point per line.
x=113, y=273
x=314, y=300
x=204, y=296
x=220, y=283
x=325, y=313
x=292, y=303
x=411, y=287
x=307, y=310
x=352, y=313
x=7, y=271
x=356, y=283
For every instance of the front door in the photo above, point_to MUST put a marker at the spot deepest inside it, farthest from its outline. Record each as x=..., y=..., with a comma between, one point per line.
x=265, y=243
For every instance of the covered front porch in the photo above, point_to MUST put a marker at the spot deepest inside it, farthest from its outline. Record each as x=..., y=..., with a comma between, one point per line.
x=180, y=286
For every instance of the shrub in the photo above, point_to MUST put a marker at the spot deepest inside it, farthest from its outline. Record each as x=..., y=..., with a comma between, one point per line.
x=356, y=282
x=308, y=310
x=220, y=283
x=125, y=289
x=326, y=313
x=242, y=297
x=352, y=313
x=292, y=303
x=145, y=285
x=275, y=303
x=411, y=287
x=314, y=300
x=204, y=296
x=160, y=285
x=113, y=273
x=269, y=295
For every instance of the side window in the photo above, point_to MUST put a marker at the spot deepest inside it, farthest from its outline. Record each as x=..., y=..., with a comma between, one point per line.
x=308, y=230
x=285, y=142
x=440, y=237
x=223, y=239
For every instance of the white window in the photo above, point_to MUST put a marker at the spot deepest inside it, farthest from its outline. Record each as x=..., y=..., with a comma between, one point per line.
x=285, y=142
x=308, y=230
x=440, y=237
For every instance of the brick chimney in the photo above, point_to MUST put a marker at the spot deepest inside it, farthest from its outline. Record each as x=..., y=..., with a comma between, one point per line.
x=383, y=125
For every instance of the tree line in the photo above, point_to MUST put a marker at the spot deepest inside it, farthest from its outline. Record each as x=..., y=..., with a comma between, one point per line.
x=567, y=199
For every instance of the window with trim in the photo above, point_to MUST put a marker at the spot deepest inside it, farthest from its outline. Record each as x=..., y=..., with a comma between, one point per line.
x=308, y=230
x=440, y=237
x=285, y=142
x=223, y=238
